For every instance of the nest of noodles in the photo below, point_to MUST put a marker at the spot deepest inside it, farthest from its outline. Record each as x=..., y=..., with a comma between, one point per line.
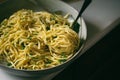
x=36, y=40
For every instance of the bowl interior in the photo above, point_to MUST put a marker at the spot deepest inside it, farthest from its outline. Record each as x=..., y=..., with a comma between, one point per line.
x=11, y=6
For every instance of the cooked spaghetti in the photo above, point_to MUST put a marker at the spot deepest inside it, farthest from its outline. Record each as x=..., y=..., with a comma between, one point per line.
x=36, y=40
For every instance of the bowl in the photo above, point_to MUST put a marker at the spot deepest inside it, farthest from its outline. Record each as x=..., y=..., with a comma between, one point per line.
x=11, y=6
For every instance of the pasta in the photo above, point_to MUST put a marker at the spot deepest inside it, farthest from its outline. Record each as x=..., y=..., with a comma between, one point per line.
x=36, y=40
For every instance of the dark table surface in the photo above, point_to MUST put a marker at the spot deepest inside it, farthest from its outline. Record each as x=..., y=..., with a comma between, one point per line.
x=101, y=62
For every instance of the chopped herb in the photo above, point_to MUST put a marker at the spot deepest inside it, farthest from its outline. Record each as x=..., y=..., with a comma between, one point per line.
x=46, y=47
x=9, y=64
x=63, y=55
x=22, y=46
x=35, y=33
x=48, y=61
x=9, y=26
x=52, y=18
x=54, y=36
x=11, y=23
x=62, y=60
x=29, y=38
x=47, y=28
x=31, y=53
x=35, y=58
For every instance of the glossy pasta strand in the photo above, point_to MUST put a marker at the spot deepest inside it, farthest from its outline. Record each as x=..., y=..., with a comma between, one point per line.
x=36, y=40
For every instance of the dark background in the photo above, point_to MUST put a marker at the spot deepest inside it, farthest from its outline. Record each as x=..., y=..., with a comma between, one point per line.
x=101, y=62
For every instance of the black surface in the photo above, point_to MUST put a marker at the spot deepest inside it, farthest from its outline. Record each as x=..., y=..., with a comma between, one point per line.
x=101, y=62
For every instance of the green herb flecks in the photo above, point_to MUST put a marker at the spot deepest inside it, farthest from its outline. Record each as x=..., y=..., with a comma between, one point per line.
x=48, y=61
x=47, y=28
x=62, y=60
x=63, y=55
x=22, y=46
